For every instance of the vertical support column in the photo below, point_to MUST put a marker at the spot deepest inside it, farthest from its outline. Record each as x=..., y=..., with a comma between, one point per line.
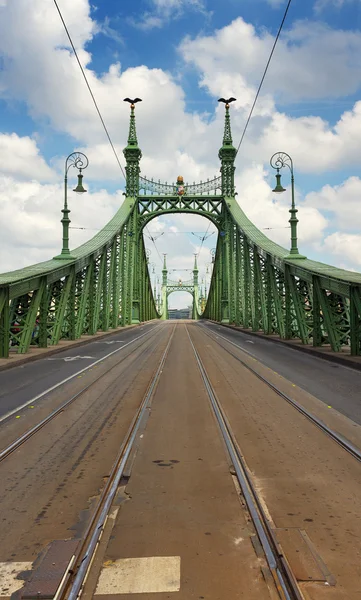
x=316, y=313
x=246, y=284
x=116, y=283
x=237, y=279
x=123, y=274
x=268, y=267
x=61, y=308
x=232, y=272
x=99, y=290
x=259, y=299
x=225, y=289
x=328, y=319
x=4, y=322
x=135, y=267
x=288, y=315
x=92, y=285
x=71, y=308
x=43, y=318
x=84, y=300
x=355, y=320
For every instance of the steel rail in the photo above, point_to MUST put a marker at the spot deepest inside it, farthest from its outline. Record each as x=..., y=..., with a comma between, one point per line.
x=334, y=435
x=30, y=432
x=85, y=554
x=284, y=579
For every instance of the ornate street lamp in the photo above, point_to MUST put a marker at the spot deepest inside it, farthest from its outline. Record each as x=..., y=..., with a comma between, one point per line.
x=278, y=161
x=80, y=162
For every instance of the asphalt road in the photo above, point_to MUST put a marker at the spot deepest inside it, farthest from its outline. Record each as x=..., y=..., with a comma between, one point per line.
x=177, y=519
x=24, y=383
x=333, y=384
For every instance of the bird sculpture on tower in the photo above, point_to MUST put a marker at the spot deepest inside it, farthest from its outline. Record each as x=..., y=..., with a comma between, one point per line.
x=132, y=102
x=227, y=102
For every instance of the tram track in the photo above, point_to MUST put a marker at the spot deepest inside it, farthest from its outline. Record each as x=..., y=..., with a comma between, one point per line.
x=285, y=581
x=16, y=444
x=334, y=435
x=76, y=574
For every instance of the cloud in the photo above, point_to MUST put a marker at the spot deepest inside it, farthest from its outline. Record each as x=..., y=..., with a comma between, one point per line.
x=20, y=156
x=311, y=61
x=166, y=10
x=346, y=247
x=276, y=3
x=106, y=29
x=30, y=214
x=340, y=202
x=320, y=5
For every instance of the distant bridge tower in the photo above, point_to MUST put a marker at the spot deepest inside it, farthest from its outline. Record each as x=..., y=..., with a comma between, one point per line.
x=164, y=290
x=195, y=308
x=191, y=286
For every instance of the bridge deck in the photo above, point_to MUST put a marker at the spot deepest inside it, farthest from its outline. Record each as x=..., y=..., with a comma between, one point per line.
x=178, y=506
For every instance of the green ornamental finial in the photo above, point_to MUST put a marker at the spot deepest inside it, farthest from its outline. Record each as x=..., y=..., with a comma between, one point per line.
x=132, y=153
x=227, y=153
x=227, y=137
x=132, y=137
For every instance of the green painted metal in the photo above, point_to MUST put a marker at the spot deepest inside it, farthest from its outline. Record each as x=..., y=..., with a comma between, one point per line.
x=255, y=283
x=169, y=287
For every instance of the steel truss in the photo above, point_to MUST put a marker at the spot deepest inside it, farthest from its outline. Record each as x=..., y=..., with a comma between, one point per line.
x=254, y=283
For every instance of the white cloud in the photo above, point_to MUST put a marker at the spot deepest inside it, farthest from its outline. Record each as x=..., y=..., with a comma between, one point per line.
x=346, y=247
x=276, y=3
x=20, y=156
x=341, y=202
x=270, y=212
x=165, y=10
x=320, y=5
x=311, y=60
x=30, y=216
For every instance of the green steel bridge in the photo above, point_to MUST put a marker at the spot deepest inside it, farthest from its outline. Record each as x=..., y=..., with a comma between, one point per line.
x=105, y=284
x=191, y=286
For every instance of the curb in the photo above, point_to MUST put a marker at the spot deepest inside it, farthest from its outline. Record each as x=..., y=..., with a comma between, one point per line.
x=346, y=362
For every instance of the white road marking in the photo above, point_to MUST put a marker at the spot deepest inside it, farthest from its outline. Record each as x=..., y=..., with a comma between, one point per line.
x=249, y=342
x=71, y=358
x=112, y=342
x=153, y=574
x=8, y=576
x=54, y=387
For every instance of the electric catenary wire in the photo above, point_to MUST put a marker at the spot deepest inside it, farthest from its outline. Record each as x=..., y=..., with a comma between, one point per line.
x=264, y=74
x=90, y=90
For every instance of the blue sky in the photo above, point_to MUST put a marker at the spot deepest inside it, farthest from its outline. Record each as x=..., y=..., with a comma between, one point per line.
x=180, y=56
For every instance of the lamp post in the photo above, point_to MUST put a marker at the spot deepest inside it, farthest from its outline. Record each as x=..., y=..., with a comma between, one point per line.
x=278, y=161
x=80, y=162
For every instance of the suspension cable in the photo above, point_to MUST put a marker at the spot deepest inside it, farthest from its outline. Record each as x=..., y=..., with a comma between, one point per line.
x=264, y=74
x=90, y=90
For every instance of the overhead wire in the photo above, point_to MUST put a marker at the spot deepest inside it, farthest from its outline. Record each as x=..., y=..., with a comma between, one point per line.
x=90, y=90
x=264, y=74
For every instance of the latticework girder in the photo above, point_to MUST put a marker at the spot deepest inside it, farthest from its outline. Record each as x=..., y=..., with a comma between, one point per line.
x=262, y=290
x=255, y=283
x=106, y=286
